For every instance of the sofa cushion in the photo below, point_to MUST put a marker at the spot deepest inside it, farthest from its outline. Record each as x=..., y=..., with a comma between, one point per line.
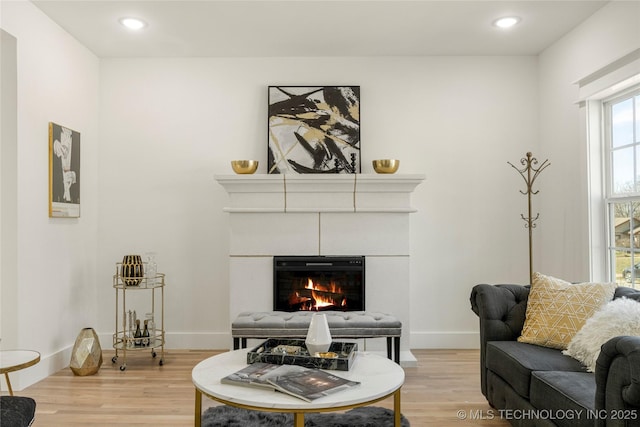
x=618, y=317
x=567, y=397
x=515, y=361
x=556, y=309
x=510, y=405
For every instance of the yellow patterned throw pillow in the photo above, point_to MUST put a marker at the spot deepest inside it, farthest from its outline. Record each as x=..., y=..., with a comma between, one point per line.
x=556, y=309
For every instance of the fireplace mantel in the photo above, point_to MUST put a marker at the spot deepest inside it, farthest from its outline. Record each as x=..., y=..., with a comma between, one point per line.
x=320, y=193
x=343, y=214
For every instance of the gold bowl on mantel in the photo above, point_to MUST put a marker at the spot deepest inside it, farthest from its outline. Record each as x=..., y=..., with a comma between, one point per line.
x=244, y=166
x=386, y=165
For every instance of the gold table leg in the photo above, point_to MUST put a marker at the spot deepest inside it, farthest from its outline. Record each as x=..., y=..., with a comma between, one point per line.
x=198, y=410
x=396, y=408
x=298, y=419
x=6, y=377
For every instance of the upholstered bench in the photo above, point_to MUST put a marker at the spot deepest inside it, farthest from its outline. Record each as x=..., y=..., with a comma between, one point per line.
x=343, y=324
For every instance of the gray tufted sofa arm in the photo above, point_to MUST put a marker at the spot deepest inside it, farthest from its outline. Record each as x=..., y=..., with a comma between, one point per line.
x=501, y=309
x=618, y=382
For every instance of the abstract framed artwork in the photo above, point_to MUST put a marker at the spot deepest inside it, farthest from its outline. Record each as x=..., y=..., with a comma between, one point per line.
x=314, y=129
x=64, y=172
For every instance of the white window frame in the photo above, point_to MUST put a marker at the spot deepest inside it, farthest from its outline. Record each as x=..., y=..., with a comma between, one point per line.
x=603, y=84
x=611, y=198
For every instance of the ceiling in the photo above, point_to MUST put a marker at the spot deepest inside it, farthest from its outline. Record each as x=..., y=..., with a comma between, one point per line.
x=313, y=28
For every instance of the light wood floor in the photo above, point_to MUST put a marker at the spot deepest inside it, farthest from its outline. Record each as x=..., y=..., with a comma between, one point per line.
x=445, y=383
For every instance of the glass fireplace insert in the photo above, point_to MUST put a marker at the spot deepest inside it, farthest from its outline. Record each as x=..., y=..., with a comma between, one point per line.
x=318, y=283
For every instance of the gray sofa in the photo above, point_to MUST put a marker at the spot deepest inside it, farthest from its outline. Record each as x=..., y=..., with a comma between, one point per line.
x=532, y=385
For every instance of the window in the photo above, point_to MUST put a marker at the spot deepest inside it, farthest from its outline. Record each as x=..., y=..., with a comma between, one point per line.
x=622, y=194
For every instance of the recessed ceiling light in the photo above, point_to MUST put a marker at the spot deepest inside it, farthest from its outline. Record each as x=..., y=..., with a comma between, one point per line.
x=133, y=23
x=506, y=22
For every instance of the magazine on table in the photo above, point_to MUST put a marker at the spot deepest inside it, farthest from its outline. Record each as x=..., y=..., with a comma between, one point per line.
x=310, y=384
x=304, y=383
x=254, y=375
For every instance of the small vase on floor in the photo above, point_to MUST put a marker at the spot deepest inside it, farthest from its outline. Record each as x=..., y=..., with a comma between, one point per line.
x=86, y=356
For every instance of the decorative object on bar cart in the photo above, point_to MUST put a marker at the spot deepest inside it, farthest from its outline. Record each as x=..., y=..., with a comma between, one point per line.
x=132, y=270
x=386, y=165
x=244, y=167
x=150, y=268
x=318, y=335
x=529, y=162
x=86, y=356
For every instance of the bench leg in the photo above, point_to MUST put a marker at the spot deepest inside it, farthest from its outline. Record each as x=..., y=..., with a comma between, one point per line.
x=388, y=347
x=396, y=349
x=237, y=343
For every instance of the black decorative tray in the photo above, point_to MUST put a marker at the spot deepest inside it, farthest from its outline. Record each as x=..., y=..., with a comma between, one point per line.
x=281, y=351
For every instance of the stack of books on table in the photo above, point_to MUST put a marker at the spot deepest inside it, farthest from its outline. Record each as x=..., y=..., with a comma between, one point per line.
x=304, y=383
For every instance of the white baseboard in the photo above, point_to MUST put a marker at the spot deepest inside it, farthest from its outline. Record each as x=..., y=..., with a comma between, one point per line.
x=444, y=340
x=184, y=340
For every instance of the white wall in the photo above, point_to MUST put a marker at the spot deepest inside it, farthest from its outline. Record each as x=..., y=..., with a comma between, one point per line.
x=55, y=289
x=563, y=233
x=169, y=125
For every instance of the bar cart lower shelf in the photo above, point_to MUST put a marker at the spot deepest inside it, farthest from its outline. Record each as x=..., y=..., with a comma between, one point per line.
x=125, y=339
x=123, y=347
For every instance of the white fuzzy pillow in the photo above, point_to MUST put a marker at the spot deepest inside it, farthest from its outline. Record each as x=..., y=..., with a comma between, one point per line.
x=618, y=317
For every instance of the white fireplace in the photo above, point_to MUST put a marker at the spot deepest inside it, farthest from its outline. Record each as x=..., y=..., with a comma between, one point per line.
x=333, y=215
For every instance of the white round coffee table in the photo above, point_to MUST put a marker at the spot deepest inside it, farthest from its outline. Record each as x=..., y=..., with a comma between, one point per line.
x=380, y=378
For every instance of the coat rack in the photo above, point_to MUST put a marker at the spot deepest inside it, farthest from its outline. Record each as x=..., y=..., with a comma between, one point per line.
x=529, y=164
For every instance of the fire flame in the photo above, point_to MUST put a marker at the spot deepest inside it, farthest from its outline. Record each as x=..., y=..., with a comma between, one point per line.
x=322, y=299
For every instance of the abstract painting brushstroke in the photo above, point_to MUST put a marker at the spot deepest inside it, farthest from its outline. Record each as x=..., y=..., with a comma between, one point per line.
x=314, y=129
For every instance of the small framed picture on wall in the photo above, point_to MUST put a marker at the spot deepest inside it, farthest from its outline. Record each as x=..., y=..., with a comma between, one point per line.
x=64, y=172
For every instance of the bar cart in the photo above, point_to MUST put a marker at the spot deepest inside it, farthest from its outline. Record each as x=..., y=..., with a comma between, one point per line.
x=126, y=337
